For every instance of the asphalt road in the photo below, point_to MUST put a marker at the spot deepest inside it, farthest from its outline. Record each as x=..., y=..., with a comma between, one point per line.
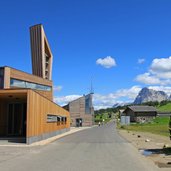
x=94, y=149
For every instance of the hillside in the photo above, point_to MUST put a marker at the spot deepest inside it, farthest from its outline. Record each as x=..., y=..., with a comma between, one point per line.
x=164, y=108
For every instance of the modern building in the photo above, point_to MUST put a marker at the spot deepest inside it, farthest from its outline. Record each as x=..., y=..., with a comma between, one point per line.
x=27, y=109
x=41, y=53
x=81, y=111
x=141, y=113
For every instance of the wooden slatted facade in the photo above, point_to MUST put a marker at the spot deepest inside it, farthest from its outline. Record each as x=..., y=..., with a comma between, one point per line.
x=38, y=107
x=78, y=113
x=11, y=73
x=41, y=54
x=38, y=117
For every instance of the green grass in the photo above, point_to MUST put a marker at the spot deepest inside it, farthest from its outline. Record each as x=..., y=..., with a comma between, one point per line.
x=161, y=120
x=158, y=126
x=101, y=117
x=165, y=108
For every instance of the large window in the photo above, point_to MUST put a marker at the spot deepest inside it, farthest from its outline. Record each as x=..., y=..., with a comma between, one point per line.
x=88, y=105
x=25, y=84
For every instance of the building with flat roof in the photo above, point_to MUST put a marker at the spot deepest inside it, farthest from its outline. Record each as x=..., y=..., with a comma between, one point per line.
x=27, y=109
x=81, y=111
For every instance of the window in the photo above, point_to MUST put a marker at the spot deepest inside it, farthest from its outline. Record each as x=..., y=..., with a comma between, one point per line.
x=87, y=105
x=56, y=118
x=62, y=119
x=25, y=84
x=51, y=118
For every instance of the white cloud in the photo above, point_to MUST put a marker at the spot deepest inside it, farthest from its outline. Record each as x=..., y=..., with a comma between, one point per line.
x=104, y=101
x=141, y=60
x=159, y=73
x=57, y=88
x=161, y=65
x=166, y=89
x=163, y=75
x=63, y=100
x=147, y=78
x=107, y=62
x=123, y=96
x=108, y=100
x=130, y=93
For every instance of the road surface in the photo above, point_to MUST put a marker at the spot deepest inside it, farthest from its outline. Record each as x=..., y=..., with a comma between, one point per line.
x=94, y=149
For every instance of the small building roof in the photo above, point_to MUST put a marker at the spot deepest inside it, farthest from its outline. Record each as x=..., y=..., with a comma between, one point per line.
x=142, y=108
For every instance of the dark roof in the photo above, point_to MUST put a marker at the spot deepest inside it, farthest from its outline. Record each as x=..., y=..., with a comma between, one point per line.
x=142, y=108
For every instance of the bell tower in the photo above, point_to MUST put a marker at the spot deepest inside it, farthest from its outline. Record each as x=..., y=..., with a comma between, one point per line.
x=41, y=53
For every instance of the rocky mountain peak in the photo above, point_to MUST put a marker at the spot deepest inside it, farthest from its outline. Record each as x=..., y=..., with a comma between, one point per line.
x=146, y=95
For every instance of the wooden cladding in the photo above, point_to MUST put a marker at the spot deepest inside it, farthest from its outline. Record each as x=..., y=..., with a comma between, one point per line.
x=38, y=108
x=19, y=75
x=28, y=77
x=41, y=53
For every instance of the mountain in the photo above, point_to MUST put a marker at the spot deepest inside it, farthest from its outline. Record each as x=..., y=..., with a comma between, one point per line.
x=146, y=95
x=120, y=104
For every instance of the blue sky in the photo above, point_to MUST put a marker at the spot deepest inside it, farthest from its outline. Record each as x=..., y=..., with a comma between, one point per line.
x=122, y=45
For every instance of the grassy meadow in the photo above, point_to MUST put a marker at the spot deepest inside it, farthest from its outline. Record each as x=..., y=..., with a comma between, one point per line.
x=159, y=125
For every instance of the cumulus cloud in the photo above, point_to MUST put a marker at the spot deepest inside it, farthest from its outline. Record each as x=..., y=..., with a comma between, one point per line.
x=123, y=96
x=102, y=101
x=147, y=78
x=159, y=72
x=57, y=88
x=63, y=100
x=106, y=100
x=141, y=60
x=166, y=89
x=107, y=62
x=161, y=65
x=130, y=93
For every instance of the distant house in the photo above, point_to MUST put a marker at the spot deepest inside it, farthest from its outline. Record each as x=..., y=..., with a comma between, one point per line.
x=81, y=111
x=141, y=113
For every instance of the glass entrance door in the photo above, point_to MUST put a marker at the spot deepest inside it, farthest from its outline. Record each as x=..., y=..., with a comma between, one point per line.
x=16, y=119
x=79, y=122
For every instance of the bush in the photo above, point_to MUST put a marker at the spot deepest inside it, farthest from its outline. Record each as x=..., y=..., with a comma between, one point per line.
x=122, y=126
